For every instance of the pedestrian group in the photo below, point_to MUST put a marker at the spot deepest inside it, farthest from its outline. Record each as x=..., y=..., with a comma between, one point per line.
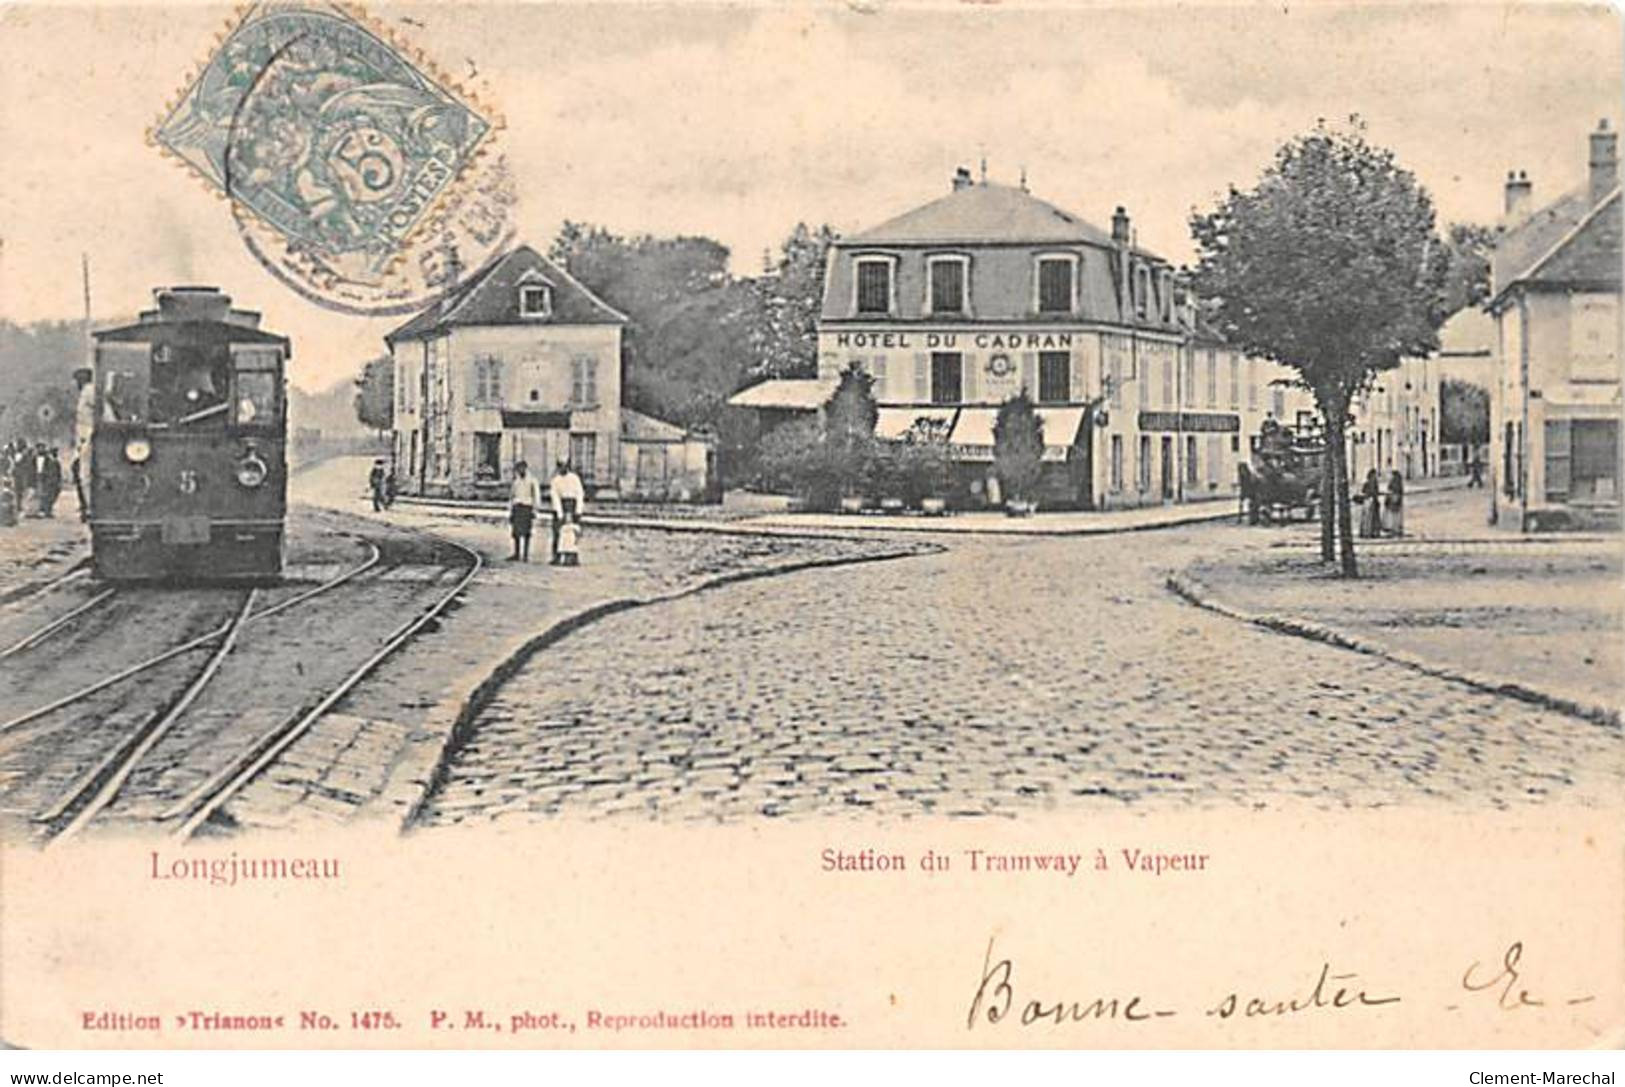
x=1382, y=513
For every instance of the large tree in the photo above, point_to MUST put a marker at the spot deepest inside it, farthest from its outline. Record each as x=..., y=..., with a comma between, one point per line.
x=1464, y=412
x=1468, y=281
x=375, y=394
x=788, y=297
x=1331, y=266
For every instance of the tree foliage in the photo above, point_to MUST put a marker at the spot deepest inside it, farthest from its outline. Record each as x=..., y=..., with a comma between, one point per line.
x=1331, y=266
x=697, y=333
x=787, y=299
x=375, y=394
x=849, y=428
x=1464, y=412
x=1467, y=281
x=1018, y=447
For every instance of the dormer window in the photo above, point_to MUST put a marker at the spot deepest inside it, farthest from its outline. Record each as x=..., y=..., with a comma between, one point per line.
x=1057, y=283
x=875, y=286
x=535, y=300
x=949, y=283
x=1165, y=296
x=1142, y=290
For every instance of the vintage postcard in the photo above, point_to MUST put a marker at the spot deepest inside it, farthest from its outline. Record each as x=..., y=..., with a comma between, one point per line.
x=813, y=525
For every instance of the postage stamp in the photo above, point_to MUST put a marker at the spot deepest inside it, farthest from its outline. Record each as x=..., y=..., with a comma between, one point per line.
x=340, y=151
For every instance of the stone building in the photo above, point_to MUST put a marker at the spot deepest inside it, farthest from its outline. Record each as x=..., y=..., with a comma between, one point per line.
x=958, y=305
x=523, y=362
x=1555, y=298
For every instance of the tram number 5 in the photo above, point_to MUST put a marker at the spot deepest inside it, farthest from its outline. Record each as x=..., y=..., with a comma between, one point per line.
x=188, y=481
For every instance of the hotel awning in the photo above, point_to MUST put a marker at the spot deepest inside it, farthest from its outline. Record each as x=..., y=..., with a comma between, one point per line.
x=972, y=436
x=785, y=394
x=893, y=423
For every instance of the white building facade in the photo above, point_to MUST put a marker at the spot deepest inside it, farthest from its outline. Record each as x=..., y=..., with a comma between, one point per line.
x=957, y=306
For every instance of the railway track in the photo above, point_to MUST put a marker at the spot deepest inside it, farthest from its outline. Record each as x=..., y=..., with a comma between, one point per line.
x=130, y=784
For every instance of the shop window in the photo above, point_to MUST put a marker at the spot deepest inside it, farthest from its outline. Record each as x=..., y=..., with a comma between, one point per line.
x=1054, y=377
x=487, y=455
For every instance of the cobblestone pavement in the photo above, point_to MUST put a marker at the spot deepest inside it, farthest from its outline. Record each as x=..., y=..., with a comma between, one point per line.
x=998, y=678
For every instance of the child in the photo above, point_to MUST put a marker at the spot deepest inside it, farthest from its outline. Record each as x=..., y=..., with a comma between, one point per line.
x=570, y=543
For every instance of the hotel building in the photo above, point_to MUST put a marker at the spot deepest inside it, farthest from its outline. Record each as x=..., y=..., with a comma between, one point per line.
x=958, y=305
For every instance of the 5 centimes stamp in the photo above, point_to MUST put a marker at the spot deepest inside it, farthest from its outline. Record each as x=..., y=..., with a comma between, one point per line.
x=354, y=171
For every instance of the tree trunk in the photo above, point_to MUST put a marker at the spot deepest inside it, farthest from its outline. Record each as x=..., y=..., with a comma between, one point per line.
x=1328, y=492
x=1345, y=517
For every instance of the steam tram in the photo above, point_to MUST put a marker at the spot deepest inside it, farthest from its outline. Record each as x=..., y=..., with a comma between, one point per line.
x=188, y=471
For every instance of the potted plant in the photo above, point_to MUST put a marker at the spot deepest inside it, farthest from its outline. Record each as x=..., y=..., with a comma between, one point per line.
x=1018, y=453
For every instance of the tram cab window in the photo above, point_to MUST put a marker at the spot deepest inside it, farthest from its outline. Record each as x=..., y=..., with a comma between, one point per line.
x=256, y=396
x=190, y=385
x=256, y=402
x=122, y=373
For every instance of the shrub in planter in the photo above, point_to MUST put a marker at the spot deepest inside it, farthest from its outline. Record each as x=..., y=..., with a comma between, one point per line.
x=1018, y=452
x=922, y=461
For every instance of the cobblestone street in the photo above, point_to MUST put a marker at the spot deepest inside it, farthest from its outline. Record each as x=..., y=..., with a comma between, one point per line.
x=1001, y=677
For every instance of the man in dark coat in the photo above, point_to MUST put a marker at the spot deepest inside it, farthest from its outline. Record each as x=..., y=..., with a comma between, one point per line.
x=50, y=482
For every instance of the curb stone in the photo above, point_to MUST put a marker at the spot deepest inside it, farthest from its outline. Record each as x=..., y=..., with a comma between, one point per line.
x=420, y=771
x=1199, y=594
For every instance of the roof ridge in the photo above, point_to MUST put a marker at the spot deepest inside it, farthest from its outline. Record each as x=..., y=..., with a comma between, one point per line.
x=1562, y=242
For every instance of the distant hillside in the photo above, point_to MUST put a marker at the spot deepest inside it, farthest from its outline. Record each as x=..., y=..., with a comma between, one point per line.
x=331, y=411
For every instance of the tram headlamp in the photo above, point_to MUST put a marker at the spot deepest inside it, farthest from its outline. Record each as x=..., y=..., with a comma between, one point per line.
x=137, y=450
x=251, y=471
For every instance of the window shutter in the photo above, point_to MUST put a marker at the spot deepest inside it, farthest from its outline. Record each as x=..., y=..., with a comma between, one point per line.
x=922, y=378
x=1029, y=373
x=972, y=369
x=1559, y=458
x=877, y=370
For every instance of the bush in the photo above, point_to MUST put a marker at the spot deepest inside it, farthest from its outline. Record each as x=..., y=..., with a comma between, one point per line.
x=1018, y=447
x=919, y=462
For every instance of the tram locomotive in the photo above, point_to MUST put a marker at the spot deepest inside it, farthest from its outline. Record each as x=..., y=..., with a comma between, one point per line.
x=188, y=470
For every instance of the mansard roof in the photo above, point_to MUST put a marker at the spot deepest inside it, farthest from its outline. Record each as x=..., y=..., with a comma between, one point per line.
x=491, y=297
x=981, y=214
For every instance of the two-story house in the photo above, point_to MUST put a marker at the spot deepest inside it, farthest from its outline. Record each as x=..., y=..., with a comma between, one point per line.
x=960, y=304
x=520, y=362
x=1555, y=297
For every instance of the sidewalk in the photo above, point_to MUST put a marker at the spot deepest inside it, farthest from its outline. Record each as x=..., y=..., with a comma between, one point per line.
x=1539, y=618
x=710, y=519
x=36, y=550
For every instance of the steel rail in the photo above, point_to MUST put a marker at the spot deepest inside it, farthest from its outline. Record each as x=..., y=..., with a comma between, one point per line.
x=55, y=625
x=186, y=647
x=110, y=777
x=209, y=798
x=81, y=569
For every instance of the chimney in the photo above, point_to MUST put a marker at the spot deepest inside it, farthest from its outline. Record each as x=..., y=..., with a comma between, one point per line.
x=1518, y=189
x=1604, y=161
x=962, y=178
x=1120, y=233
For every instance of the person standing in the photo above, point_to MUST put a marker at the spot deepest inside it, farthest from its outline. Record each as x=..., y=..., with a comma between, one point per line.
x=22, y=478
x=375, y=483
x=567, y=496
x=1396, y=504
x=50, y=482
x=522, y=503
x=84, y=421
x=1476, y=471
x=1371, y=506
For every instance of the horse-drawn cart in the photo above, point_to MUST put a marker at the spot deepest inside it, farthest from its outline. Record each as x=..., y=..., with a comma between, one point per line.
x=1284, y=476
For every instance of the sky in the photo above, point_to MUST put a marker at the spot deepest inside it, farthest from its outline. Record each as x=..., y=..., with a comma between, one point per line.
x=738, y=121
